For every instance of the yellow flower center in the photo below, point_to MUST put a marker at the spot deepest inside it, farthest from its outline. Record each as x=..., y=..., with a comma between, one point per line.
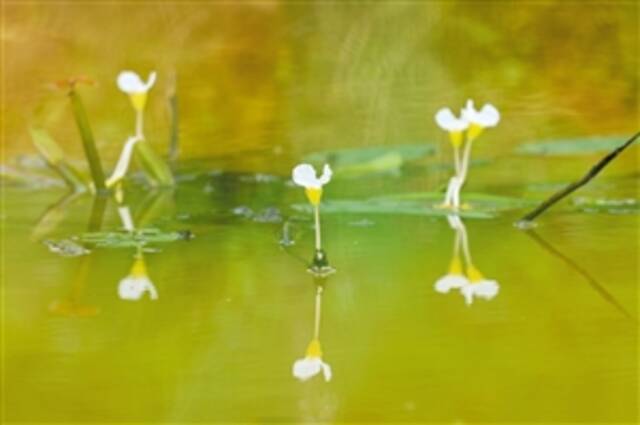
x=456, y=138
x=474, y=274
x=314, y=195
x=474, y=131
x=138, y=100
x=138, y=269
x=456, y=266
x=314, y=350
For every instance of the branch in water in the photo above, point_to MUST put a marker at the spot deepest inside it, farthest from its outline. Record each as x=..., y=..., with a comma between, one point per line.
x=594, y=171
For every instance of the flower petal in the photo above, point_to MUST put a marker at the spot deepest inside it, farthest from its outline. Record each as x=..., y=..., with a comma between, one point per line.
x=132, y=288
x=306, y=368
x=488, y=116
x=326, y=371
x=486, y=289
x=305, y=175
x=130, y=82
x=446, y=120
x=326, y=175
x=150, y=81
x=450, y=281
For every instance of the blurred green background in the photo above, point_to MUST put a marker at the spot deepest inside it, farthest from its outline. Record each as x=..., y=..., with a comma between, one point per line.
x=285, y=78
x=260, y=85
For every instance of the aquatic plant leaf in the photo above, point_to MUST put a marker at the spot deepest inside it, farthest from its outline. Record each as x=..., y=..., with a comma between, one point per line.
x=88, y=142
x=607, y=205
x=153, y=164
x=54, y=156
x=390, y=207
x=123, y=239
x=577, y=146
x=354, y=162
x=482, y=200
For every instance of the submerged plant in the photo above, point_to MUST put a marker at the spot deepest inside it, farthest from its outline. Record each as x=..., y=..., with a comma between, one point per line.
x=312, y=364
x=305, y=175
x=470, y=282
x=131, y=84
x=463, y=131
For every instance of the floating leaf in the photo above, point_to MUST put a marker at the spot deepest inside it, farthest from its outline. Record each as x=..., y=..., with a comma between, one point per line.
x=124, y=239
x=577, y=146
x=479, y=200
x=354, y=162
x=607, y=205
x=391, y=207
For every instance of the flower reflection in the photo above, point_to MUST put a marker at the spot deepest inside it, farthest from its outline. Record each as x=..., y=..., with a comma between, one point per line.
x=312, y=364
x=471, y=282
x=133, y=286
x=137, y=282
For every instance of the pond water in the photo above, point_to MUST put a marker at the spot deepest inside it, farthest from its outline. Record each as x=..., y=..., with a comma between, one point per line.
x=236, y=308
x=229, y=306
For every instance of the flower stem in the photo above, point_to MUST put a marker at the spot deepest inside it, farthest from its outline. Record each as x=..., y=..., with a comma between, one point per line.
x=140, y=123
x=318, y=312
x=317, y=226
x=456, y=159
x=88, y=142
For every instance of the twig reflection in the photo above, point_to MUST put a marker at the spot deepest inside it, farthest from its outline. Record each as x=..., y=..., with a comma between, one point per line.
x=581, y=271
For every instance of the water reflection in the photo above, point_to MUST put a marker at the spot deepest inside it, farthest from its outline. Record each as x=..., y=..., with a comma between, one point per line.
x=137, y=282
x=73, y=305
x=312, y=363
x=597, y=286
x=133, y=286
x=465, y=277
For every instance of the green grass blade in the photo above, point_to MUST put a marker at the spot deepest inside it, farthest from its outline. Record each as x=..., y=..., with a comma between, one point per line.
x=88, y=142
x=54, y=156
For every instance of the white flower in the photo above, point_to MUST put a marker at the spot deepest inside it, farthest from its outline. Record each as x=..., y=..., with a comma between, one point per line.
x=449, y=282
x=484, y=288
x=131, y=83
x=305, y=175
x=133, y=288
x=446, y=120
x=309, y=367
x=488, y=116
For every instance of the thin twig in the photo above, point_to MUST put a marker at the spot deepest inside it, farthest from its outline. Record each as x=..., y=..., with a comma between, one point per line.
x=584, y=180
